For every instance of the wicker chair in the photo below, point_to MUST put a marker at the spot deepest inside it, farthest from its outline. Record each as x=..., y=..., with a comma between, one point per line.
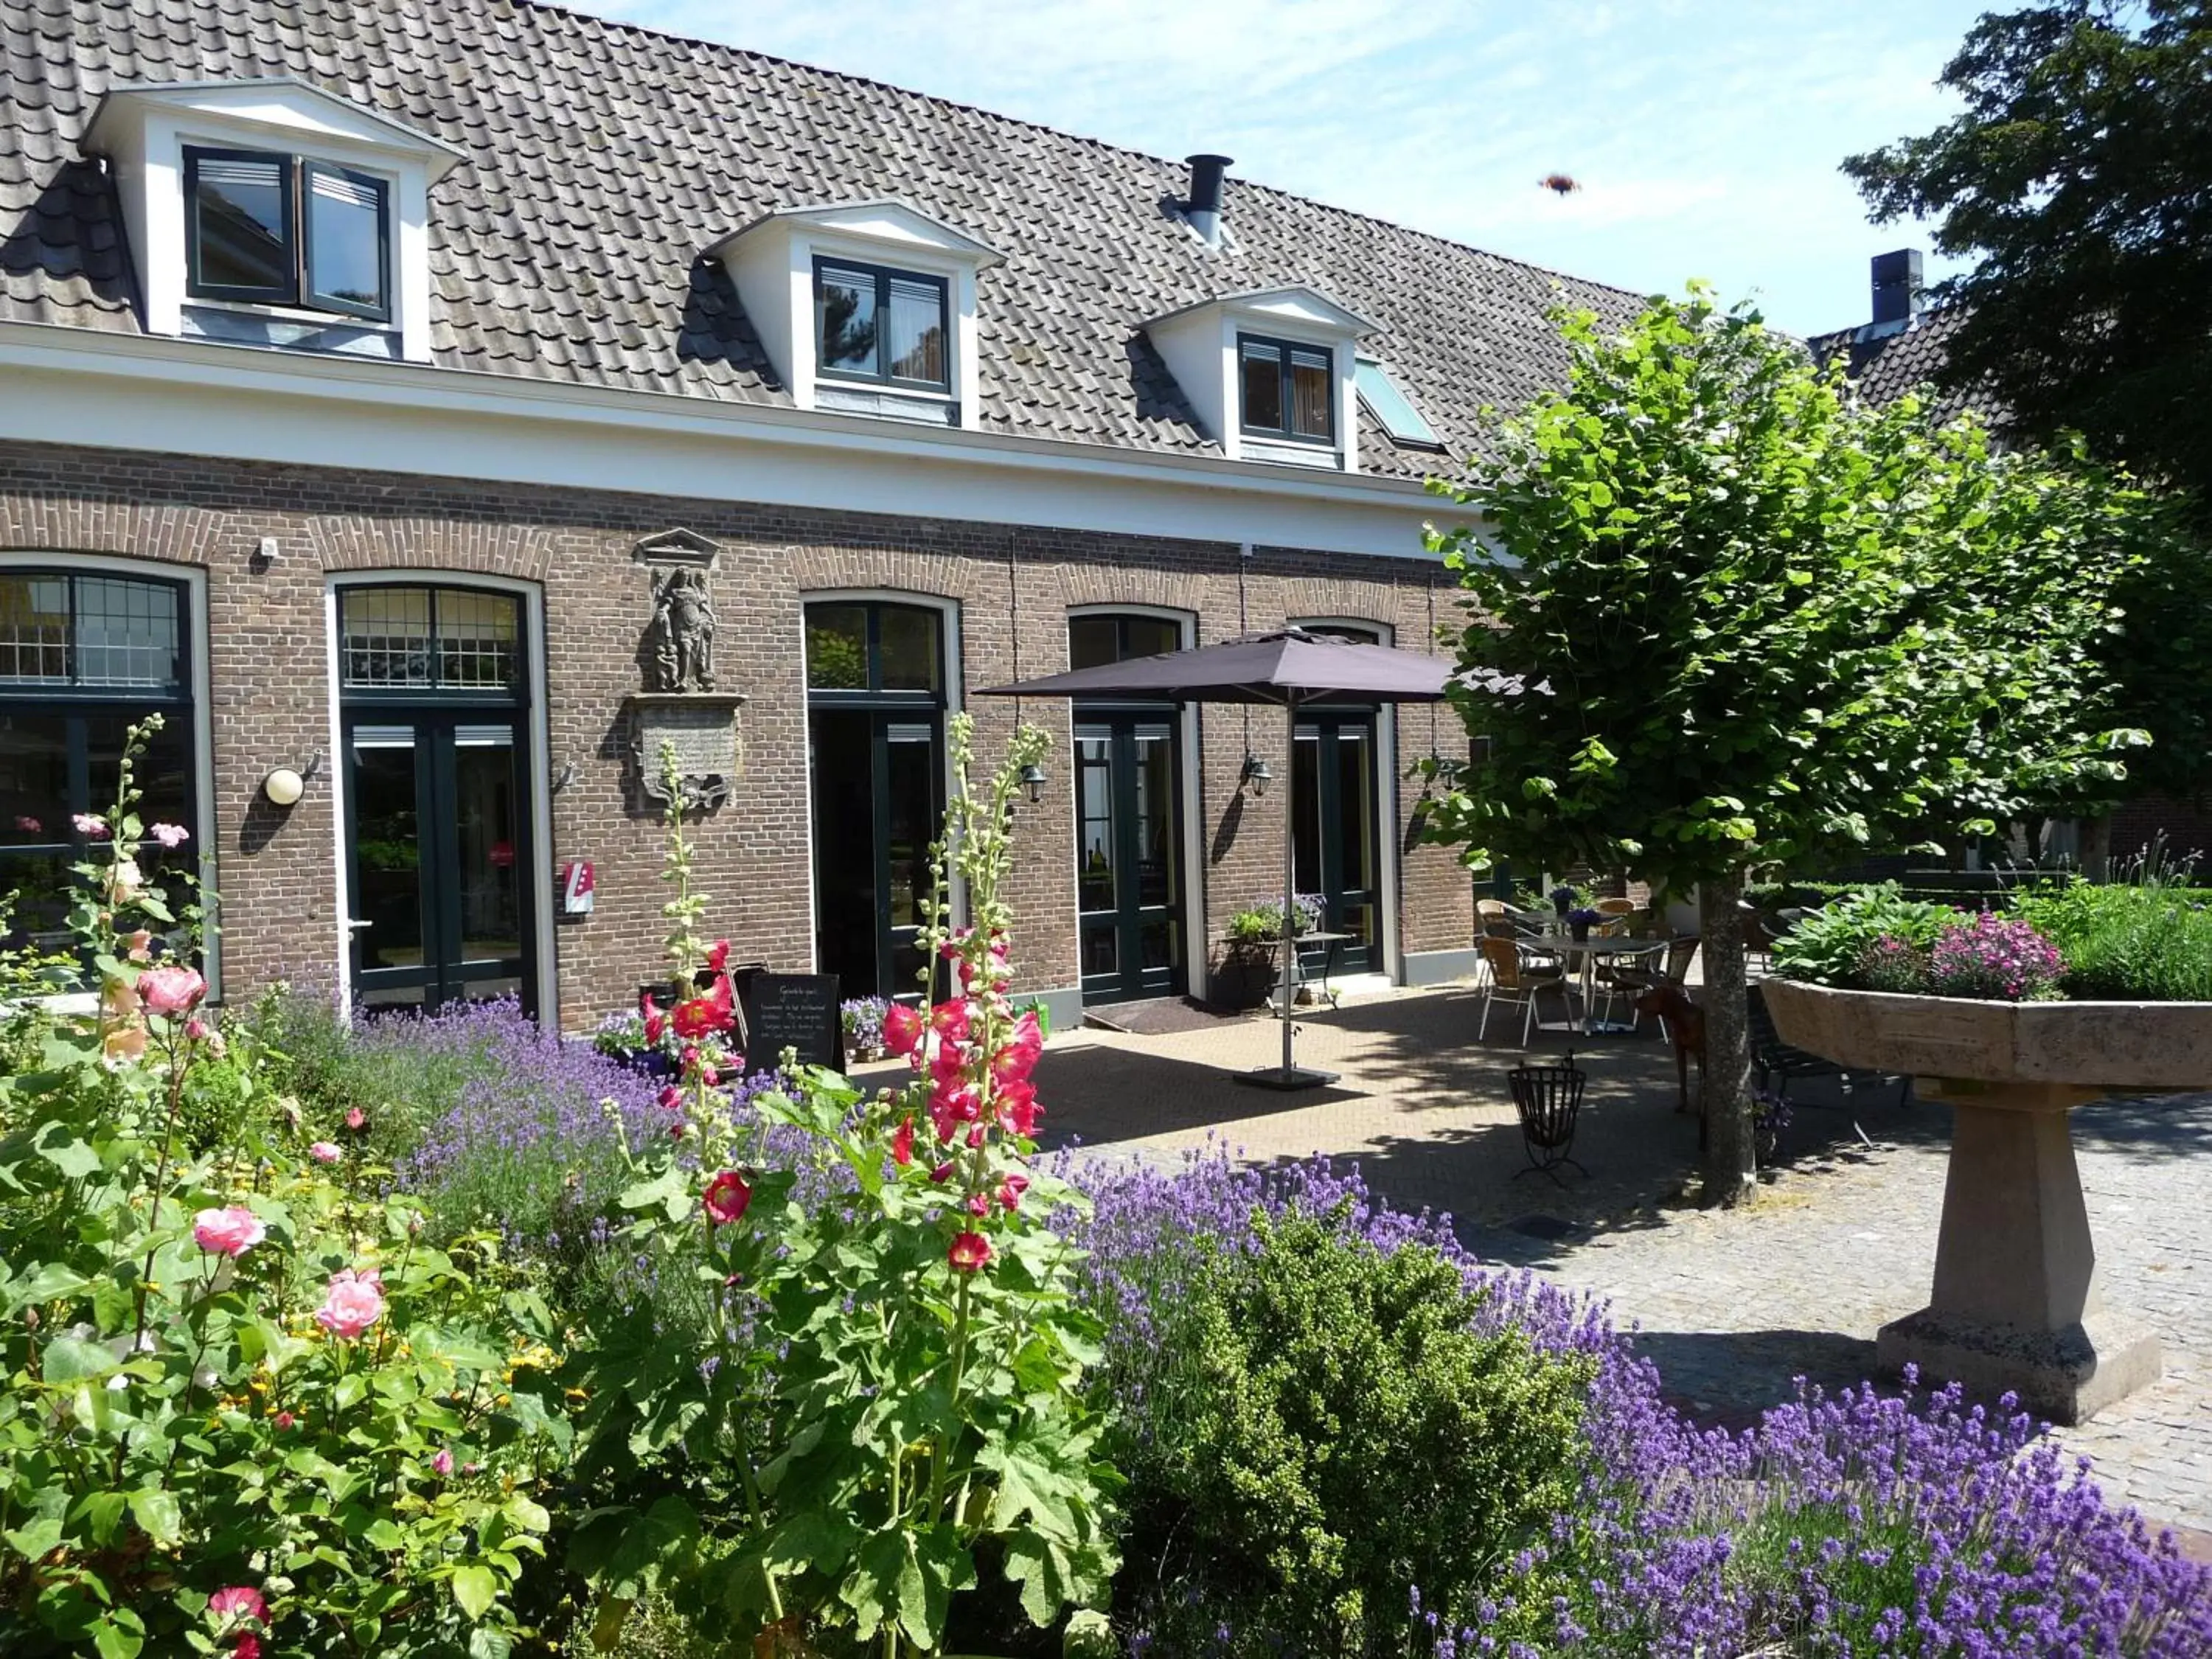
x=1512, y=978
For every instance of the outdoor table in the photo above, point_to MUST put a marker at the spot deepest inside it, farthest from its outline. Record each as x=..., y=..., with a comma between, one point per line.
x=1283, y=985
x=1588, y=951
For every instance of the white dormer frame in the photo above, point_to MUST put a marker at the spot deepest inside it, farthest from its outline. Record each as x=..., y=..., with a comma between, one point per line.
x=145, y=129
x=1199, y=345
x=771, y=263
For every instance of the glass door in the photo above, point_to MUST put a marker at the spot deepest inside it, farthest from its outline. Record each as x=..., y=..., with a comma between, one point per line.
x=878, y=795
x=1333, y=851
x=439, y=842
x=1128, y=861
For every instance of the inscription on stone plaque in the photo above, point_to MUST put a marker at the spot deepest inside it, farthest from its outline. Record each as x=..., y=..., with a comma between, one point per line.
x=701, y=727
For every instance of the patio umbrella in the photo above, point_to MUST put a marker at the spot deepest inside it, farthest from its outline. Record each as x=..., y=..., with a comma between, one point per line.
x=1288, y=667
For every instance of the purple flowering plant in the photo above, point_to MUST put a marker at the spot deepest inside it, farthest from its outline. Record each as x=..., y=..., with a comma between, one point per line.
x=1996, y=957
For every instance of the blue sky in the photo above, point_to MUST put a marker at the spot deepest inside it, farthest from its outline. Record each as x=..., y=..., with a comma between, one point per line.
x=1705, y=136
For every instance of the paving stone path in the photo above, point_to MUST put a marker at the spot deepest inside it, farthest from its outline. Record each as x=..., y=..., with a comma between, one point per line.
x=1731, y=1308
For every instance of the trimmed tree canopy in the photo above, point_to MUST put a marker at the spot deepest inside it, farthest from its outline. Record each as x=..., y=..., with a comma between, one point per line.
x=1727, y=615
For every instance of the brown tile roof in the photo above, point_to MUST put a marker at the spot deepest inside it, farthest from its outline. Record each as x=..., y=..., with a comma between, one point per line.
x=1887, y=362
x=604, y=158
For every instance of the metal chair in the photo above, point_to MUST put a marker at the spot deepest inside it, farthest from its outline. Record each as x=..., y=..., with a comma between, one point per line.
x=1775, y=1062
x=1548, y=1100
x=1512, y=978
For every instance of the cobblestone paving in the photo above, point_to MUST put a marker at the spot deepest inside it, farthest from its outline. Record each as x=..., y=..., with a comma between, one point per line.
x=1732, y=1306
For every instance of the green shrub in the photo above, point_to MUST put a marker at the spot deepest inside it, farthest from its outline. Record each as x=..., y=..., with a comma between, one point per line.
x=2130, y=943
x=1830, y=946
x=1333, y=1434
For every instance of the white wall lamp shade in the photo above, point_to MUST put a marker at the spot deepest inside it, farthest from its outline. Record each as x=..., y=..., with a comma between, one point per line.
x=283, y=787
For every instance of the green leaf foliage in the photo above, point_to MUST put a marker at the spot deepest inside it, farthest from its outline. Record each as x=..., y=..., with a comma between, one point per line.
x=1829, y=946
x=1293, y=1474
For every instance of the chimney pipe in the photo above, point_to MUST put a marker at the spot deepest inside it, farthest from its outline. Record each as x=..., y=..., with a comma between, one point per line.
x=1204, y=208
x=1896, y=285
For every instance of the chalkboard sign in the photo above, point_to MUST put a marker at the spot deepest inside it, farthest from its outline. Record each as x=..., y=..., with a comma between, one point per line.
x=791, y=1010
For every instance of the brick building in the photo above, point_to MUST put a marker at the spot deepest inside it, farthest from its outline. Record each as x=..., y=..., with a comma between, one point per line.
x=366, y=373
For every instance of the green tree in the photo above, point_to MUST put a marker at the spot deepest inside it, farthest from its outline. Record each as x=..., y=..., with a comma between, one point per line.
x=1726, y=617
x=2078, y=178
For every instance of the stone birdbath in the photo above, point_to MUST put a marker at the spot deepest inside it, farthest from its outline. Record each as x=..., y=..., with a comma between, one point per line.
x=2017, y=1301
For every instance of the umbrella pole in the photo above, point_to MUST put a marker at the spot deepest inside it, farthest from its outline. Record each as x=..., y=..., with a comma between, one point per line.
x=1290, y=874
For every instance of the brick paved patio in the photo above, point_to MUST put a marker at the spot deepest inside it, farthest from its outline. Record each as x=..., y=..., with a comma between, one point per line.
x=1729, y=1306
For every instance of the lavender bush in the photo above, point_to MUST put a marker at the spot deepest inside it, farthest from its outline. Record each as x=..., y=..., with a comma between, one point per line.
x=1854, y=1525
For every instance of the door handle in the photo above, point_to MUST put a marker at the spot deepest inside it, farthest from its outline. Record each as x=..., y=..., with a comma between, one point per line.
x=356, y=927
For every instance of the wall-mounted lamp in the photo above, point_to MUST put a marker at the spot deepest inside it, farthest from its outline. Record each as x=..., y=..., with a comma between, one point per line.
x=564, y=777
x=1258, y=774
x=284, y=785
x=1033, y=779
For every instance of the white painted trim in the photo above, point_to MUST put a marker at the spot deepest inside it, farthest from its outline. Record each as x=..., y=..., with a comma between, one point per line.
x=146, y=394
x=955, y=700
x=1391, y=898
x=204, y=828
x=538, y=763
x=1189, y=737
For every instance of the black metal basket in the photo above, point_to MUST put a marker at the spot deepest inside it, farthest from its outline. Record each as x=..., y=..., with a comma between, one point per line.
x=1549, y=1099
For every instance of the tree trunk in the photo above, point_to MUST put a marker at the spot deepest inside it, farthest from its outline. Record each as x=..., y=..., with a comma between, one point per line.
x=1730, y=1160
x=2097, y=847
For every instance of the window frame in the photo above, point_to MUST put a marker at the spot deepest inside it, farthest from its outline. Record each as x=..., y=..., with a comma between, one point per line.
x=1284, y=347
x=299, y=172
x=516, y=694
x=883, y=275
x=875, y=693
x=1426, y=439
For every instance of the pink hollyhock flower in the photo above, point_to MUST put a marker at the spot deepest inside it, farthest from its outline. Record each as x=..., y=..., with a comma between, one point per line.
x=968, y=1252
x=124, y=881
x=950, y=1020
x=284, y=1422
x=230, y=1231
x=441, y=1462
x=119, y=1047
x=1014, y=1062
x=170, y=990
x=354, y=1301
x=655, y=1021
x=978, y=1205
x=709, y=1076
x=240, y=1602
x=1018, y=1110
x=943, y=1172
x=950, y=1108
x=245, y=1645
x=1011, y=1190
x=950, y=948
x=323, y=1152
x=727, y=1196
x=138, y=946
x=903, y=1028
x=356, y=1119
x=902, y=1144
x=88, y=825
x=171, y=836
x=718, y=955
x=671, y=1098
x=975, y=1138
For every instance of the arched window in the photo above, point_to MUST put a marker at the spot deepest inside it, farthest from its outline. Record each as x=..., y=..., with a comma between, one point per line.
x=84, y=654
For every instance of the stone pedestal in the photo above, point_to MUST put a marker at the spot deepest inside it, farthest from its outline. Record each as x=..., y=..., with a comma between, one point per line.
x=2017, y=1303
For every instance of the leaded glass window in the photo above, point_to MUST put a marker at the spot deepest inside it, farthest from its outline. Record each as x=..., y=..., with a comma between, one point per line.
x=430, y=639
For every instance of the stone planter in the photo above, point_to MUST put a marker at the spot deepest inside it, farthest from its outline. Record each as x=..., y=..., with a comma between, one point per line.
x=2017, y=1301
x=1245, y=977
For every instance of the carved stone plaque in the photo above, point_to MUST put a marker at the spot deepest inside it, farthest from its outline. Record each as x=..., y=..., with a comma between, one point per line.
x=701, y=727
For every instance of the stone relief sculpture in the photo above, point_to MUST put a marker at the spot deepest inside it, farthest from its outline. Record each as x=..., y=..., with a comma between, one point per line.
x=681, y=637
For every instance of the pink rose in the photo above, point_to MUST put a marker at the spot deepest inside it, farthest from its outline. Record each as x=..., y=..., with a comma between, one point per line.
x=239, y=1603
x=171, y=836
x=353, y=1303
x=324, y=1152
x=170, y=990
x=231, y=1231
x=88, y=825
x=26, y=824
x=442, y=1461
x=356, y=1119
x=284, y=1422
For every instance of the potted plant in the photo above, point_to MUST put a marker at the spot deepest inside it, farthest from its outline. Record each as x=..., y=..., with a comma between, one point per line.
x=863, y=1020
x=2018, y=1018
x=1251, y=957
x=1581, y=919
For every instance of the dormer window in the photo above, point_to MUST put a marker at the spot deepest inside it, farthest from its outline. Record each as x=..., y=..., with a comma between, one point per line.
x=282, y=230
x=1289, y=389
x=881, y=327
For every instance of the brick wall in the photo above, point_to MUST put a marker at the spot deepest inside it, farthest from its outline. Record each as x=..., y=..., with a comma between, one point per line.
x=267, y=657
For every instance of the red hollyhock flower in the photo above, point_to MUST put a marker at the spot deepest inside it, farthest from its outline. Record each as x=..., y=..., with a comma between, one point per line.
x=903, y=1028
x=1011, y=1190
x=902, y=1144
x=1014, y=1062
x=942, y=1172
x=718, y=957
x=245, y=1645
x=655, y=1022
x=978, y=1205
x=702, y=1016
x=727, y=1196
x=968, y=1252
x=950, y=1020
